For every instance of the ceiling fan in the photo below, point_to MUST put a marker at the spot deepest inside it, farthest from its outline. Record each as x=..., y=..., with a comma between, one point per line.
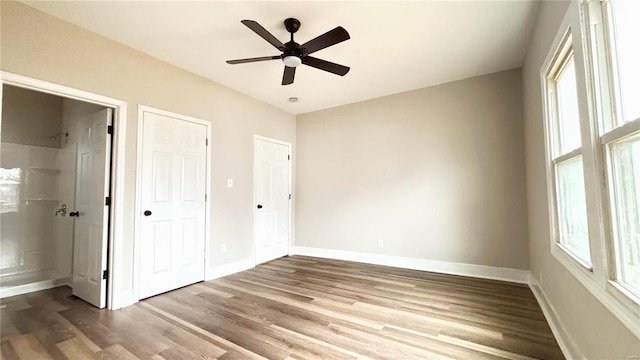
x=294, y=54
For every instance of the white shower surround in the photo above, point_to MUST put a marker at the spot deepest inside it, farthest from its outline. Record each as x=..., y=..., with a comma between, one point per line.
x=40, y=246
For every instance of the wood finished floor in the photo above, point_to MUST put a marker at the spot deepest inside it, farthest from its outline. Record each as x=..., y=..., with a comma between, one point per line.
x=291, y=308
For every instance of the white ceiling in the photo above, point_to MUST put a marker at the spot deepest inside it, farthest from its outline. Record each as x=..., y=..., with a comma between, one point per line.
x=395, y=46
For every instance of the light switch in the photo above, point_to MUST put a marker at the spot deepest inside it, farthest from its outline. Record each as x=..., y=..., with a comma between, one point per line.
x=229, y=182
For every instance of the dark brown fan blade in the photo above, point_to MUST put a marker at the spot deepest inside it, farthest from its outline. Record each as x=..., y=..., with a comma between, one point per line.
x=327, y=39
x=258, y=29
x=326, y=65
x=289, y=74
x=264, y=58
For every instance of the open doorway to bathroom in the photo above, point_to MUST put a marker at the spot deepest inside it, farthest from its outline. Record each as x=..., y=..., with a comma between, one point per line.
x=54, y=194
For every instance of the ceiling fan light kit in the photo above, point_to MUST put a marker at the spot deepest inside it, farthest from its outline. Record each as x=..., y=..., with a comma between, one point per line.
x=292, y=61
x=294, y=54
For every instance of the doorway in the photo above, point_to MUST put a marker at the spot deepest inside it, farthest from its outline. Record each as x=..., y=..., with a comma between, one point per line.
x=116, y=249
x=272, y=193
x=54, y=179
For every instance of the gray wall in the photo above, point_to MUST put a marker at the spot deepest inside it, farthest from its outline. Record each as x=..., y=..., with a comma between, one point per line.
x=40, y=46
x=30, y=117
x=596, y=332
x=437, y=173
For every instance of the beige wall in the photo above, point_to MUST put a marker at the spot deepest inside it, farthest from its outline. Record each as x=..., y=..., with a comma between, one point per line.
x=40, y=46
x=437, y=173
x=30, y=117
x=596, y=332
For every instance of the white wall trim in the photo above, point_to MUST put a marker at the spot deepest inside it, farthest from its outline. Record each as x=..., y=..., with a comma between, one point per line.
x=35, y=286
x=142, y=109
x=567, y=345
x=478, y=271
x=127, y=298
x=115, y=298
x=230, y=268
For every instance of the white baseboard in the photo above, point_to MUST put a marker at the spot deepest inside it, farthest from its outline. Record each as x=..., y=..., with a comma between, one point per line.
x=568, y=347
x=128, y=298
x=478, y=271
x=31, y=287
x=228, y=269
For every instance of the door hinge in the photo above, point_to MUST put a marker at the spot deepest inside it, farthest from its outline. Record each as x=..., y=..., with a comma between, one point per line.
x=288, y=157
x=107, y=201
x=105, y=274
x=110, y=129
x=289, y=196
x=206, y=142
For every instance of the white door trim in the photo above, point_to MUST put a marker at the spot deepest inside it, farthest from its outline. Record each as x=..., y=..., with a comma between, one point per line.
x=115, y=298
x=255, y=173
x=138, y=207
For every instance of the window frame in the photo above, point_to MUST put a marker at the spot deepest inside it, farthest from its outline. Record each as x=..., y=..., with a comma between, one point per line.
x=607, y=101
x=618, y=288
x=550, y=74
x=585, y=21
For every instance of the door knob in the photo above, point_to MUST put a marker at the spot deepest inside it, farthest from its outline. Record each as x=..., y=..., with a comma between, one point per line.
x=147, y=213
x=74, y=213
x=259, y=206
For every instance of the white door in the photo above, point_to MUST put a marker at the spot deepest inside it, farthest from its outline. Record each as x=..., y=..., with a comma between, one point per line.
x=173, y=188
x=91, y=210
x=272, y=194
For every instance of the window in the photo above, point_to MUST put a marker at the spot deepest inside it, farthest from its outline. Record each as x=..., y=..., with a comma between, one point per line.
x=625, y=186
x=572, y=209
x=591, y=93
x=623, y=50
x=619, y=66
x=572, y=233
x=10, y=180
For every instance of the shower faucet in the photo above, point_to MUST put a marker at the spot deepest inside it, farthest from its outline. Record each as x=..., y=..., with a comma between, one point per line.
x=62, y=210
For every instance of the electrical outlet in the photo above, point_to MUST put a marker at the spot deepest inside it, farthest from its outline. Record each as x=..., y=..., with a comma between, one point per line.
x=223, y=248
x=229, y=182
x=380, y=243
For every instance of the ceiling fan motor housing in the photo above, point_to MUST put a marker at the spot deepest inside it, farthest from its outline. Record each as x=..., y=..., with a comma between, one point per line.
x=293, y=48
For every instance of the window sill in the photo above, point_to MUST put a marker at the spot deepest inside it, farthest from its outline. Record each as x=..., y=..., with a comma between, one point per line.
x=574, y=258
x=626, y=297
x=620, y=302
